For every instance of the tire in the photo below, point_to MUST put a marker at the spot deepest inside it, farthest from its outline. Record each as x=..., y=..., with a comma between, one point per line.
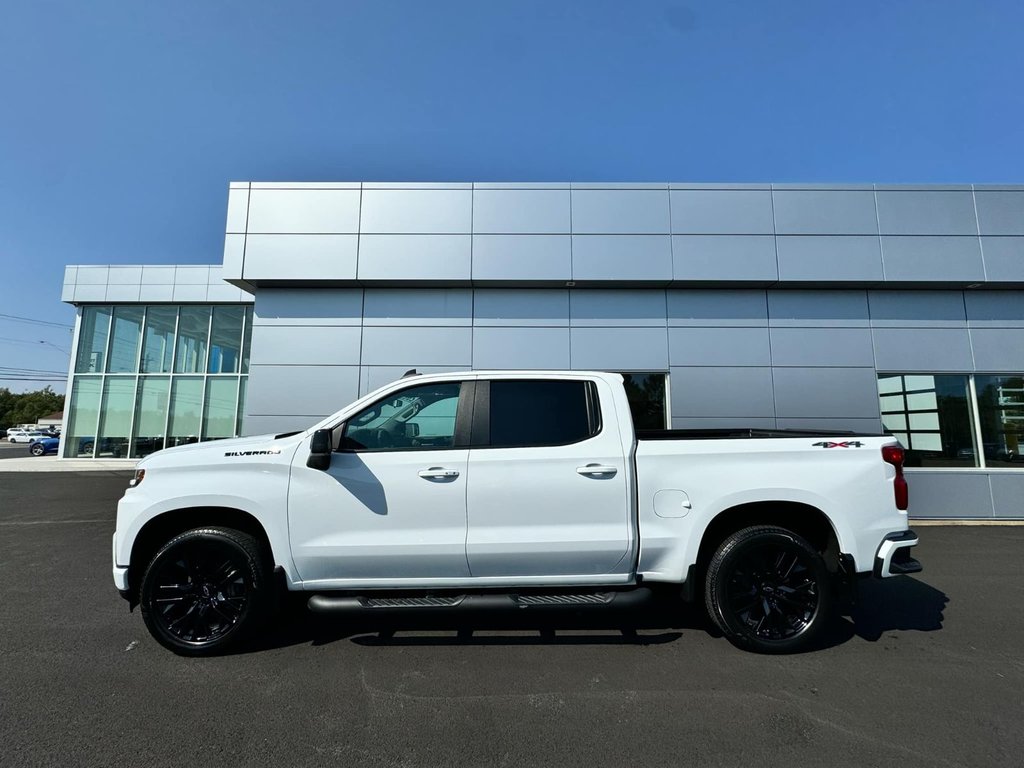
x=768, y=590
x=206, y=590
x=87, y=448
x=37, y=450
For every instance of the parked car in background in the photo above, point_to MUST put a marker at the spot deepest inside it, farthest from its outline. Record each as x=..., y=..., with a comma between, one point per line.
x=44, y=446
x=24, y=436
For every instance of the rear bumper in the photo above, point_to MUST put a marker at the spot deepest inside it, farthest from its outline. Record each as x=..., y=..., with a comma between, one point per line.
x=893, y=555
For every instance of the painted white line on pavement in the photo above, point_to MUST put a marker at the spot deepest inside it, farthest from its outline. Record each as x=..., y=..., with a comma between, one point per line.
x=52, y=522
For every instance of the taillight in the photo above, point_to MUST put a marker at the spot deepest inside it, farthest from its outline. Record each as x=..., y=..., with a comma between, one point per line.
x=894, y=454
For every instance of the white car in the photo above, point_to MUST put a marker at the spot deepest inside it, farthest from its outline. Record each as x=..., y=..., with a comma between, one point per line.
x=526, y=489
x=25, y=436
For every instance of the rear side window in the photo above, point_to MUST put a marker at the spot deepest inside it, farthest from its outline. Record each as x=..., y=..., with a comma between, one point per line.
x=532, y=413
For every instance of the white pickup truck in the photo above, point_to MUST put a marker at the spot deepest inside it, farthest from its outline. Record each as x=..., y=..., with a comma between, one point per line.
x=525, y=489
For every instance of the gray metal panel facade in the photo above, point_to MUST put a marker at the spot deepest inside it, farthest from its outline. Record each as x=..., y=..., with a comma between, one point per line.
x=615, y=234
x=767, y=305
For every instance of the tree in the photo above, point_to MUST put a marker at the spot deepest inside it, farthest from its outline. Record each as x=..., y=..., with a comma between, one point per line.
x=27, y=407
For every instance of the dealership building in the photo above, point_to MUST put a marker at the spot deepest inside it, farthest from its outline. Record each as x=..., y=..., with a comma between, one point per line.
x=772, y=306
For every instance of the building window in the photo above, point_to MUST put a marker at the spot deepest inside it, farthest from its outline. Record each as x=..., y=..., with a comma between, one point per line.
x=646, y=395
x=125, y=332
x=931, y=417
x=150, y=415
x=226, y=339
x=92, y=340
x=193, y=335
x=184, y=423
x=942, y=419
x=83, y=410
x=158, y=340
x=123, y=410
x=220, y=407
x=1001, y=415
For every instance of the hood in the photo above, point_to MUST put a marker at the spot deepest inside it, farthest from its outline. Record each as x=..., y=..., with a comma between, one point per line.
x=215, y=449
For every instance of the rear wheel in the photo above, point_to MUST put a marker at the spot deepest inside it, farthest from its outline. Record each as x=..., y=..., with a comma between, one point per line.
x=36, y=449
x=768, y=590
x=206, y=590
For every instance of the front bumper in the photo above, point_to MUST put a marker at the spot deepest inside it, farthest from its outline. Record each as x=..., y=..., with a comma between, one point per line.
x=893, y=555
x=120, y=572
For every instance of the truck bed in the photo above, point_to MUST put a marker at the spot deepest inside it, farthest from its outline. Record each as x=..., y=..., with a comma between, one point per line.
x=743, y=434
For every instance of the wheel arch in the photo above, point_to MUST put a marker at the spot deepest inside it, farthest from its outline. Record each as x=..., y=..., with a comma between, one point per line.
x=805, y=520
x=163, y=527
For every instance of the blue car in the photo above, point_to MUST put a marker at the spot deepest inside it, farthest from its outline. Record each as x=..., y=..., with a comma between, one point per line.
x=44, y=446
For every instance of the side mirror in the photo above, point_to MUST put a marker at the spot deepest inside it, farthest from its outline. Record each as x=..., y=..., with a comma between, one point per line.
x=320, y=450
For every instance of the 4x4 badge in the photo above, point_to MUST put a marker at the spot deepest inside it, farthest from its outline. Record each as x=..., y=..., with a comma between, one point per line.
x=845, y=444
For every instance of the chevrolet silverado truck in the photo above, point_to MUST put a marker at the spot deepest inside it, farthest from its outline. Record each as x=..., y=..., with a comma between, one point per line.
x=518, y=489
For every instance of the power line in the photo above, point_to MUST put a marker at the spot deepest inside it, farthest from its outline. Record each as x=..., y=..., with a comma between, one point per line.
x=53, y=380
x=33, y=343
x=7, y=373
x=29, y=372
x=34, y=321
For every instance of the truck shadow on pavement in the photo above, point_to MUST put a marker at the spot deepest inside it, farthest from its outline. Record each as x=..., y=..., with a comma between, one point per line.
x=898, y=604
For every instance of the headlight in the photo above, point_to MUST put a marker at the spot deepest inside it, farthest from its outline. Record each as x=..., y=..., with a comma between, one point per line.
x=140, y=474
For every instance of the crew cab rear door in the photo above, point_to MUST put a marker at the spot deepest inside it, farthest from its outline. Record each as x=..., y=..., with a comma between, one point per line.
x=548, y=481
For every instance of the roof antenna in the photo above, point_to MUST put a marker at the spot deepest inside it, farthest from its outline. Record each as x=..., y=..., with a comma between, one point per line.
x=410, y=372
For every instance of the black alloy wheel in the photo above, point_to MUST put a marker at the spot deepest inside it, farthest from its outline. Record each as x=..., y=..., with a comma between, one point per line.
x=205, y=590
x=768, y=590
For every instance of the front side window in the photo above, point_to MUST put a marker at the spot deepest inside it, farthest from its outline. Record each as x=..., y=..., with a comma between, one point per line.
x=418, y=418
x=537, y=413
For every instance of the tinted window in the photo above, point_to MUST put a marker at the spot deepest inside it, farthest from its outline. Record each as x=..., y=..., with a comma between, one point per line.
x=541, y=413
x=417, y=418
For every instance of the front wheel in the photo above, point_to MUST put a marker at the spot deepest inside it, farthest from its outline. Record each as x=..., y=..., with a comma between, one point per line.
x=37, y=449
x=205, y=590
x=768, y=590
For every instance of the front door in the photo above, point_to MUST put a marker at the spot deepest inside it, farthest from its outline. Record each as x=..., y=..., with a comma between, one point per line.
x=391, y=508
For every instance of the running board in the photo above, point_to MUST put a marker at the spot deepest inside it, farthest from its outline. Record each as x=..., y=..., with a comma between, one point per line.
x=335, y=604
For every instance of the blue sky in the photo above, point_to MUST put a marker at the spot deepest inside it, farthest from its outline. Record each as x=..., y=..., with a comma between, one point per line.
x=123, y=122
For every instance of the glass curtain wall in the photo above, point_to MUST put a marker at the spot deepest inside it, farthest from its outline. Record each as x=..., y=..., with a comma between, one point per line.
x=956, y=420
x=150, y=377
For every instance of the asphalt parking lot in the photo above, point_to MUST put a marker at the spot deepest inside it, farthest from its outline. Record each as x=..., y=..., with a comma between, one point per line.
x=930, y=672
x=12, y=450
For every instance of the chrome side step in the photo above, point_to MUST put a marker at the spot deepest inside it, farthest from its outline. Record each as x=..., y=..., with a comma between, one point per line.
x=347, y=603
